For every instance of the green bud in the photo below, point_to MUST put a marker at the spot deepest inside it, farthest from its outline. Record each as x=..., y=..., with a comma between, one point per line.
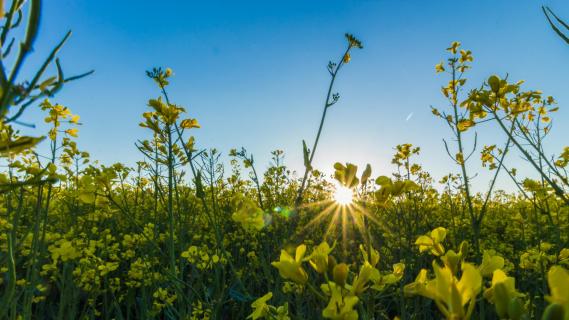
x=340, y=274
x=494, y=83
x=331, y=264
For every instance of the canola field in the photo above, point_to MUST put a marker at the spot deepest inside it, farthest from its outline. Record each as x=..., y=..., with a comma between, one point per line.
x=181, y=234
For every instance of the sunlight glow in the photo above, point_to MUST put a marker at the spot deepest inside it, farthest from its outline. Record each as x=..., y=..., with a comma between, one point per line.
x=343, y=195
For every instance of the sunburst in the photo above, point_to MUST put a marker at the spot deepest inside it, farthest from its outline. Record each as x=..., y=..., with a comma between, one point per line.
x=345, y=211
x=343, y=196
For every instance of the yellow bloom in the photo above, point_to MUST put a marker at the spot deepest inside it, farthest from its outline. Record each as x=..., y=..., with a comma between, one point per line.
x=291, y=268
x=367, y=273
x=490, y=263
x=374, y=255
x=433, y=241
x=319, y=257
x=391, y=278
x=439, y=67
x=190, y=123
x=453, y=47
x=558, y=280
x=464, y=124
x=65, y=250
x=502, y=292
x=260, y=307
x=340, y=307
x=249, y=215
x=72, y=132
x=465, y=56
x=450, y=294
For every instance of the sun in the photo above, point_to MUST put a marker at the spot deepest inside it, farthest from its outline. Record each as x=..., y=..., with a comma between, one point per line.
x=343, y=196
x=343, y=214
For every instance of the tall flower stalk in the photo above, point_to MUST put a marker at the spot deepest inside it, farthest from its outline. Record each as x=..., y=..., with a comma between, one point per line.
x=331, y=99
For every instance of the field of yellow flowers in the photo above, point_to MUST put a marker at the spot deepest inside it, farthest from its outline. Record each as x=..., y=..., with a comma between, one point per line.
x=180, y=236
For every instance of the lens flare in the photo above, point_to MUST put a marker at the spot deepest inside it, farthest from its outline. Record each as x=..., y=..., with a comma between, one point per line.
x=343, y=196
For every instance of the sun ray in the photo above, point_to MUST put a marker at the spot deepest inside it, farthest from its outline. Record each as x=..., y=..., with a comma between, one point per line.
x=345, y=212
x=333, y=221
x=344, y=226
x=320, y=216
x=317, y=203
x=374, y=219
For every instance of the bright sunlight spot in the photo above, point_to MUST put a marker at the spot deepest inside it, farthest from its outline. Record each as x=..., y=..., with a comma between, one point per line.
x=343, y=195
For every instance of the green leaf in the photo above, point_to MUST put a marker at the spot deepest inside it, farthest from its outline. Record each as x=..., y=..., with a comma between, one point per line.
x=87, y=197
x=383, y=181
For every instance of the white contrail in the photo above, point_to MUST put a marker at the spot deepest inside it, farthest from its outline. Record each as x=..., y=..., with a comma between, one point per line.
x=409, y=116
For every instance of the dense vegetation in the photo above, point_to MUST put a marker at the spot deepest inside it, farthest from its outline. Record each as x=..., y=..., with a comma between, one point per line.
x=181, y=236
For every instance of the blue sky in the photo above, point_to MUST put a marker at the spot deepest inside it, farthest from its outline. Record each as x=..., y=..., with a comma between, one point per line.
x=254, y=72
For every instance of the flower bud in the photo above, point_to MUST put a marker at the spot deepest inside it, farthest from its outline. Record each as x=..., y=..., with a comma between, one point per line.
x=331, y=264
x=340, y=274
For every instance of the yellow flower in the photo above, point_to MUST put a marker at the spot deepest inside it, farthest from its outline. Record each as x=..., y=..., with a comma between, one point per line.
x=190, y=123
x=260, y=307
x=340, y=307
x=291, y=268
x=453, y=47
x=490, y=263
x=433, y=241
x=374, y=255
x=449, y=293
x=558, y=280
x=65, y=250
x=464, y=124
x=459, y=158
x=439, y=67
x=249, y=215
x=367, y=273
x=502, y=292
x=72, y=132
x=465, y=56
x=391, y=278
x=319, y=257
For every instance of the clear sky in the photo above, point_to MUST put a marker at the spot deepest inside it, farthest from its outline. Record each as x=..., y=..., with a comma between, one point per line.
x=254, y=72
